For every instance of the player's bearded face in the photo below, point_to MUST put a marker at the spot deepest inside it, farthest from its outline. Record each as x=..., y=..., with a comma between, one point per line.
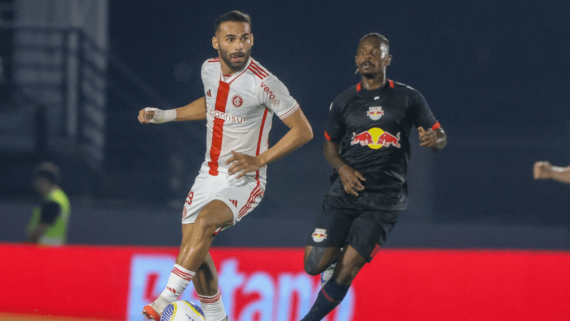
x=235, y=60
x=372, y=57
x=234, y=41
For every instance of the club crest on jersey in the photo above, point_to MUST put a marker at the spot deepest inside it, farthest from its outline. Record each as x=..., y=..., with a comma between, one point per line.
x=319, y=235
x=375, y=112
x=376, y=138
x=237, y=101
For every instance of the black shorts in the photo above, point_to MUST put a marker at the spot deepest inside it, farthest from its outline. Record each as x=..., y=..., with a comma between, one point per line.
x=343, y=221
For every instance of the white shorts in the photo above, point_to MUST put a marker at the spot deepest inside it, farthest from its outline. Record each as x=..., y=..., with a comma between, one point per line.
x=241, y=195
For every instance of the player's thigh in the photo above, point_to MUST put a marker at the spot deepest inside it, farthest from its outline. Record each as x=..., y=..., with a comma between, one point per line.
x=370, y=230
x=329, y=234
x=241, y=196
x=198, y=197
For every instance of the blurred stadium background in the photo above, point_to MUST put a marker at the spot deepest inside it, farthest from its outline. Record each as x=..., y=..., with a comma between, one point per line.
x=481, y=239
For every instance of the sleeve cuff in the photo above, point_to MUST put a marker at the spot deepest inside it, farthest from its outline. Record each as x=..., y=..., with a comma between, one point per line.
x=289, y=112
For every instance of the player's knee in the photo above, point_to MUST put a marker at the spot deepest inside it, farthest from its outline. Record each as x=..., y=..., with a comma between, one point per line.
x=311, y=268
x=205, y=225
x=314, y=264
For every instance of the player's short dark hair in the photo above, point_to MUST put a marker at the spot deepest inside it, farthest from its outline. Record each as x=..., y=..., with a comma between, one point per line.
x=48, y=171
x=376, y=35
x=234, y=15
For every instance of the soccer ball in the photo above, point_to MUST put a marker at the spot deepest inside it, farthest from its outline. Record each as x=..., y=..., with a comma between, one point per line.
x=182, y=311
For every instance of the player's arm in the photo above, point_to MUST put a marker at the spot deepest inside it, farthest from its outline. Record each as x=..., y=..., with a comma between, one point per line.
x=193, y=111
x=545, y=170
x=300, y=132
x=49, y=214
x=334, y=132
x=349, y=176
x=435, y=139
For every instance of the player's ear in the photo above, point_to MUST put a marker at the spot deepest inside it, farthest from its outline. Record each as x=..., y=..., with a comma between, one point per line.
x=252, y=39
x=389, y=60
x=215, y=43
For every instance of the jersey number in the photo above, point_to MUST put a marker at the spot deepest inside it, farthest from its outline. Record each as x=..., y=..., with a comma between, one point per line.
x=190, y=197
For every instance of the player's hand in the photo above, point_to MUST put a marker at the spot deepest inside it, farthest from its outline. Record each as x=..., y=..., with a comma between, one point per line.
x=542, y=170
x=151, y=115
x=244, y=163
x=428, y=138
x=351, y=179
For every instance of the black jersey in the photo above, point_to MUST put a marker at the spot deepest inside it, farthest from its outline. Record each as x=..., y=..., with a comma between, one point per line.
x=373, y=128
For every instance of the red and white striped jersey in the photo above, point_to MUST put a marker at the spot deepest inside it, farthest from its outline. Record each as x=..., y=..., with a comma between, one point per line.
x=240, y=111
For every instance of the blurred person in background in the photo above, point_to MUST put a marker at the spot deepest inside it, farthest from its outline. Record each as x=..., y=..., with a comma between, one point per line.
x=367, y=145
x=48, y=225
x=545, y=170
x=240, y=99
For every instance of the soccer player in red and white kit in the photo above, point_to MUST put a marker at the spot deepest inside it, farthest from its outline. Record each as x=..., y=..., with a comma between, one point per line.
x=240, y=99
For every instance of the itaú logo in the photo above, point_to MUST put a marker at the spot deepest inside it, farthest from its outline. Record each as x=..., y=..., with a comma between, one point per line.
x=247, y=293
x=228, y=117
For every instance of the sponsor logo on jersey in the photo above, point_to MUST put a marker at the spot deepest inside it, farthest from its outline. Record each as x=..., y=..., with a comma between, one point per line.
x=237, y=101
x=376, y=138
x=375, y=112
x=209, y=93
x=270, y=94
x=228, y=117
x=319, y=235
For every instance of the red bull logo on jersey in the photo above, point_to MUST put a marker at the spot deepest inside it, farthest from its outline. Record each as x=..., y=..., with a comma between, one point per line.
x=227, y=117
x=319, y=235
x=375, y=113
x=376, y=138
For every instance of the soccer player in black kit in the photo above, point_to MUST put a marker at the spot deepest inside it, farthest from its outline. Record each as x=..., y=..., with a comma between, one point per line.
x=367, y=144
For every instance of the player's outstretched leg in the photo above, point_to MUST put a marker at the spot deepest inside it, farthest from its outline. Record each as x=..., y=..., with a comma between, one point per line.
x=206, y=284
x=196, y=240
x=333, y=292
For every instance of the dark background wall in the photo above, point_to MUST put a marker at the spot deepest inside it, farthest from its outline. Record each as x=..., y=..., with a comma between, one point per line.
x=494, y=73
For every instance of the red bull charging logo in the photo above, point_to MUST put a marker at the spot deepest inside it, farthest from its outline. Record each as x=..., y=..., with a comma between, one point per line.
x=375, y=138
